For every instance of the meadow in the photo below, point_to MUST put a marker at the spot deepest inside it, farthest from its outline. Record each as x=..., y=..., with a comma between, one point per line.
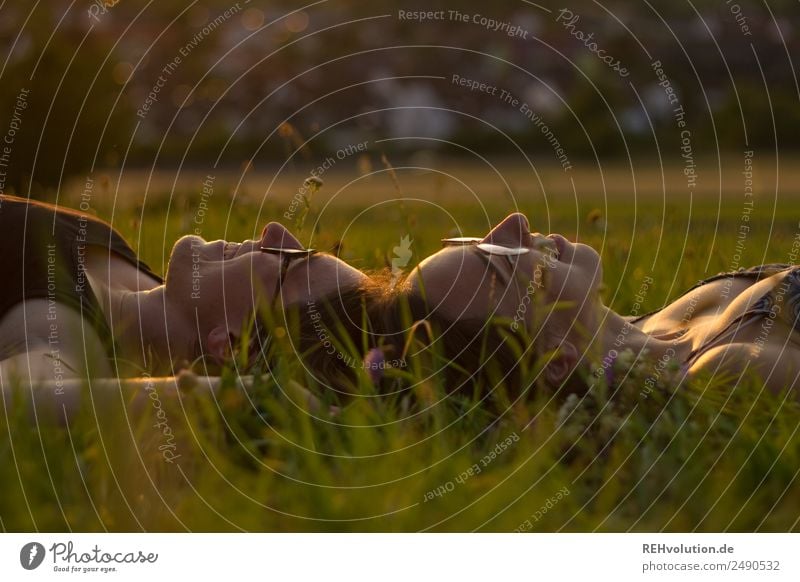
x=704, y=457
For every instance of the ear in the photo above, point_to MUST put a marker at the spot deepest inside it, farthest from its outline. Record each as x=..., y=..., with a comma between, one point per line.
x=220, y=343
x=561, y=364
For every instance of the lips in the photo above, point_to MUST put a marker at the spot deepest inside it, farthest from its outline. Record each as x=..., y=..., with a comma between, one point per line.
x=230, y=249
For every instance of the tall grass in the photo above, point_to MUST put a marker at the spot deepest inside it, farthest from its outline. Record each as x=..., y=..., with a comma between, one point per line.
x=708, y=456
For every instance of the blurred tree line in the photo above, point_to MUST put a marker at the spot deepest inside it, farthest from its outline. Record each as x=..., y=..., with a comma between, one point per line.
x=254, y=81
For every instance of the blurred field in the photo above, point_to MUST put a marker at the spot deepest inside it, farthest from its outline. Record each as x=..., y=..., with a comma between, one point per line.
x=641, y=216
x=706, y=458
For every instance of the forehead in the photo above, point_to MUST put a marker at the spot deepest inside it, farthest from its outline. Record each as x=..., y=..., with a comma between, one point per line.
x=451, y=262
x=462, y=281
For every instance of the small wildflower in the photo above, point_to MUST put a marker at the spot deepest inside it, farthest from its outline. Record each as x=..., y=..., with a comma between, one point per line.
x=625, y=359
x=566, y=410
x=313, y=183
x=310, y=186
x=595, y=218
x=374, y=363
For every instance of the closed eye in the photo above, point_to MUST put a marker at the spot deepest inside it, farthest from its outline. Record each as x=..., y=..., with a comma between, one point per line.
x=500, y=266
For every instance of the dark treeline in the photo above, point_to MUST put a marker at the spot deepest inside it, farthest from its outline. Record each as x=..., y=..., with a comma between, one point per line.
x=127, y=82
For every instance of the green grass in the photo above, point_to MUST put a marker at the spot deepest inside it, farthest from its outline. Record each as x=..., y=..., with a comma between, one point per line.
x=707, y=457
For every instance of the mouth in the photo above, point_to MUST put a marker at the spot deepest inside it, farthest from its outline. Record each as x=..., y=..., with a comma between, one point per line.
x=230, y=249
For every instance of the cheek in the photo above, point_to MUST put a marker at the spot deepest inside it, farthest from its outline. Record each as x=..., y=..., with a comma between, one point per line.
x=209, y=286
x=247, y=286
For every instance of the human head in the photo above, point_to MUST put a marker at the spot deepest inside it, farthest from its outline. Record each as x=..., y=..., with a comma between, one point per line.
x=548, y=290
x=214, y=290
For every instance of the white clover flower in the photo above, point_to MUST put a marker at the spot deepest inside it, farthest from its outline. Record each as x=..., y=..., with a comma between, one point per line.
x=566, y=410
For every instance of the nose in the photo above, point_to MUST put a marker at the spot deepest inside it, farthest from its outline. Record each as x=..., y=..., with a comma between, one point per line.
x=275, y=235
x=513, y=230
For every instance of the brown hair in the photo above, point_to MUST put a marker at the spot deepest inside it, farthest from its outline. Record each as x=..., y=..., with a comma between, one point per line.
x=328, y=336
x=479, y=355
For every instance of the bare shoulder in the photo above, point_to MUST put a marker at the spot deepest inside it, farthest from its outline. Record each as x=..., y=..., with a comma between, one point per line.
x=778, y=365
x=38, y=332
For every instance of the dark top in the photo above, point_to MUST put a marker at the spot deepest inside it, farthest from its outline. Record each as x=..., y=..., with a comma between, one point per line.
x=782, y=301
x=42, y=254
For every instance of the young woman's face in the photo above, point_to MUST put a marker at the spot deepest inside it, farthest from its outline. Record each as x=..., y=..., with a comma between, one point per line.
x=463, y=282
x=227, y=282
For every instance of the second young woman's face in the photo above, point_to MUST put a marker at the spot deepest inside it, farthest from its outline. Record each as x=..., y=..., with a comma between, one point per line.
x=225, y=281
x=463, y=282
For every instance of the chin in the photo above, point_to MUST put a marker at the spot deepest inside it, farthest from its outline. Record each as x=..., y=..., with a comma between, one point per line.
x=179, y=257
x=588, y=251
x=589, y=260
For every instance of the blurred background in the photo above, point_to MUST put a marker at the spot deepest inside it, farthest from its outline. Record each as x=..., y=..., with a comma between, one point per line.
x=663, y=134
x=258, y=83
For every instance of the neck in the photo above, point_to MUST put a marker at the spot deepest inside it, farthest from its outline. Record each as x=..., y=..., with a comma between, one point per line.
x=140, y=322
